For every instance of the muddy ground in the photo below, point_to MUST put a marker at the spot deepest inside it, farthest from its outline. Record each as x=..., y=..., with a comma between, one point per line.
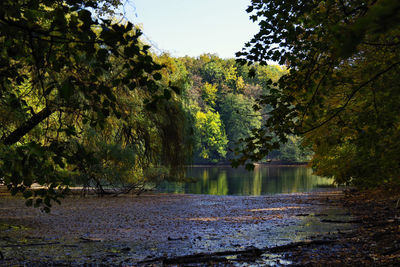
x=164, y=229
x=375, y=241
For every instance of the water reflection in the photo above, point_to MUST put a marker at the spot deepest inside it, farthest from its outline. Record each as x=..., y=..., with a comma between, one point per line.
x=263, y=180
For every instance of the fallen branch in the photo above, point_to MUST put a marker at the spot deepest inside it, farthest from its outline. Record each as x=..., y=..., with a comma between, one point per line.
x=251, y=252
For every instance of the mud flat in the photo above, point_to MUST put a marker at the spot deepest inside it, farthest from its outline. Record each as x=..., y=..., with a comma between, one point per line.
x=162, y=229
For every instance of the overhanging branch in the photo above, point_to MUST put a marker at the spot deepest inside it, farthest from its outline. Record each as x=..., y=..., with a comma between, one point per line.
x=27, y=126
x=343, y=107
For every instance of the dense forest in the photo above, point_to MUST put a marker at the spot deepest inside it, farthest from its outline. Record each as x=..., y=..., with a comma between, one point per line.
x=84, y=100
x=218, y=97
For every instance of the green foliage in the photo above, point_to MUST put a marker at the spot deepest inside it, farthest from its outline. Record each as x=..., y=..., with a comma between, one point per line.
x=104, y=166
x=63, y=72
x=32, y=164
x=240, y=119
x=341, y=93
x=225, y=87
x=210, y=94
x=292, y=151
x=212, y=72
x=213, y=141
x=83, y=101
x=214, y=85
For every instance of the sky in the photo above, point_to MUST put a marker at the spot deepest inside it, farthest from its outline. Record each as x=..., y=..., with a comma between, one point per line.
x=193, y=27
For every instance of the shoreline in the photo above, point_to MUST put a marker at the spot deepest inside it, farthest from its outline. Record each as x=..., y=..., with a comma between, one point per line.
x=273, y=164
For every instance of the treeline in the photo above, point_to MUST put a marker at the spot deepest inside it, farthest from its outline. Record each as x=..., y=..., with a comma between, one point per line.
x=84, y=102
x=219, y=97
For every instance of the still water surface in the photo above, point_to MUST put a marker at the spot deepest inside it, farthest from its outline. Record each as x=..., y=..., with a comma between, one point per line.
x=263, y=180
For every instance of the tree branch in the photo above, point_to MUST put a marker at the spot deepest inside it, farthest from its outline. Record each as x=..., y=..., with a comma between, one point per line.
x=349, y=98
x=27, y=126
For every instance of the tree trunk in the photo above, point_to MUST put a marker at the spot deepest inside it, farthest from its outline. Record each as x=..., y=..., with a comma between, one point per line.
x=27, y=126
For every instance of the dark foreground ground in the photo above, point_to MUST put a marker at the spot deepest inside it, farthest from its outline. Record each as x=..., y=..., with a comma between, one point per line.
x=375, y=241
x=322, y=228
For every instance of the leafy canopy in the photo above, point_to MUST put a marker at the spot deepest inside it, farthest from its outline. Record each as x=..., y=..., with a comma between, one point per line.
x=62, y=70
x=342, y=90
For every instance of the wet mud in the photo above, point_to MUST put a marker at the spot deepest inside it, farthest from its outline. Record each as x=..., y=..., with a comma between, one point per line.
x=375, y=241
x=163, y=229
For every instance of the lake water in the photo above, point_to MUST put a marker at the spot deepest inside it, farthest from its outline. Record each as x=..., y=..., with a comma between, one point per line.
x=263, y=180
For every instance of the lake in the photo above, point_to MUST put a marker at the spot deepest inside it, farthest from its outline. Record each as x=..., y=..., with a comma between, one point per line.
x=264, y=180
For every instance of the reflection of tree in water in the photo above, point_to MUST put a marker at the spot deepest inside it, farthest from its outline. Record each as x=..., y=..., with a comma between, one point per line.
x=263, y=180
x=257, y=182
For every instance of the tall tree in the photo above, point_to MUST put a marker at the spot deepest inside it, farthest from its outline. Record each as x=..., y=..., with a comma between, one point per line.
x=58, y=75
x=342, y=91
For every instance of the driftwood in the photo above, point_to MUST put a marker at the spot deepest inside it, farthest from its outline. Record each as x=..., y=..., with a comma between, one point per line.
x=251, y=253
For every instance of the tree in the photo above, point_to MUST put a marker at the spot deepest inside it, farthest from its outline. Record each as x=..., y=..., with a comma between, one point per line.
x=232, y=96
x=61, y=72
x=291, y=151
x=341, y=93
x=209, y=94
x=239, y=118
x=212, y=138
x=212, y=72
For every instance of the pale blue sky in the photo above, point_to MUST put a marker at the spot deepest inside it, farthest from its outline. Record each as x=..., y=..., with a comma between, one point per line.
x=194, y=27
